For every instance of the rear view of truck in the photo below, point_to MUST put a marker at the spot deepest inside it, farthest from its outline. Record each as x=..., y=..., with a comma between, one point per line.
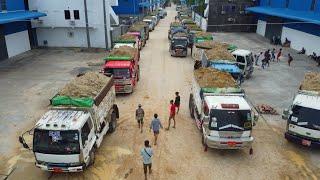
x=303, y=116
x=67, y=135
x=123, y=65
x=220, y=110
x=179, y=45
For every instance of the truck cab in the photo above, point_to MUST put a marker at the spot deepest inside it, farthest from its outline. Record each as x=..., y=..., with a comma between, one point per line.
x=150, y=23
x=245, y=61
x=179, y=46
x=126, y=74
x=303, y=119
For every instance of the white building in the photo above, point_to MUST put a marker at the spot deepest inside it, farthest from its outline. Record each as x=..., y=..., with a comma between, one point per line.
x=65, y=23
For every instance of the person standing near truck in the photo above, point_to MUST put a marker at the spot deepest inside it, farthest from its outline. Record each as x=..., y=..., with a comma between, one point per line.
x=279, y=54
x=155, y=126
x=290, y=59
x=140, y=116
x=177, y=102
x=146, y=154
x=172, y=115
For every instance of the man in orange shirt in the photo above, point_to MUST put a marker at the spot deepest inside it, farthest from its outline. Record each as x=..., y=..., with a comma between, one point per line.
x=172, y=115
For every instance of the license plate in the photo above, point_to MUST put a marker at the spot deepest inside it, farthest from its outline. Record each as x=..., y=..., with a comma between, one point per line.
x=306, y=142
x=57, y=170
x=231, y=143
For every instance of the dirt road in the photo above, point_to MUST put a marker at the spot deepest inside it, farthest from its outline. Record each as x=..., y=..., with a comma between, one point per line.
x=179, y=153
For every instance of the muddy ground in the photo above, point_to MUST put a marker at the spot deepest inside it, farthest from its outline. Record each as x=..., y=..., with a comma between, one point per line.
x=179, y=153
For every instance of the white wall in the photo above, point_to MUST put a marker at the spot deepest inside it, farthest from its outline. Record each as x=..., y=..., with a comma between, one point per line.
x=17, y=43
x=301, y=39
x=55, y=24
x=261, y=27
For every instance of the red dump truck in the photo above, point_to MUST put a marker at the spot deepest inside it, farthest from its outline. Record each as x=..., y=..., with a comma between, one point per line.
x=123, y=64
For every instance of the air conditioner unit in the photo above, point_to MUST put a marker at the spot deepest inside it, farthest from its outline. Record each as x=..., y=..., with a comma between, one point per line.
x=70, y=34
x=231, y=19
x=72, y=23
x=223, y=12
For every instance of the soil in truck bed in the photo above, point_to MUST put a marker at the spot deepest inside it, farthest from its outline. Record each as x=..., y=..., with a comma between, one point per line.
x=127, y=37
x=124, y=51
x=87, y=85
x=209, y=77
x=211, y=45
x=311, y=82
x=219, y=53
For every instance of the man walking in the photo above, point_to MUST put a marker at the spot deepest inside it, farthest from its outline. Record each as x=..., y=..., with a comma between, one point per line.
x=147, y=154
x=279, y=54
x=140, y=116
x=290, y=59
x=267, y=57
x=259, y=58
x=273, y=54
x=177, y=102
x=172, y=115
x=155, y=126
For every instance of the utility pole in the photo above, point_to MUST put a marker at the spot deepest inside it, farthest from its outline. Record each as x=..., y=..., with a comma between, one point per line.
x=87, y=23
x=105, y=23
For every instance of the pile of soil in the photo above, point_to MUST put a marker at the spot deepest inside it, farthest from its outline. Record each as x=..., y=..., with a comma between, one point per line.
x=311, y=82
x=135, y=28
x=203, y=34
x=174, y=24
x=87, y=85
x=141, y=23
x=188, y=21
x=123, y=51
x=212, y=44
x=193, y=27
x=209, y=77
x=180, y=34
x=130, y=37
x=219, y=53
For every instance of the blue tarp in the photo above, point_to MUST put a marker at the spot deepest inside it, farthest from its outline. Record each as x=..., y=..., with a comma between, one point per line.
x=305, y=16
x=13, y=16
x=230, y=68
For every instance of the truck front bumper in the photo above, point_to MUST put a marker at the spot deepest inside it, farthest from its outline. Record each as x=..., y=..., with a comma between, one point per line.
x=302, y=140
x=59, y=169
x=179, y=54
x=227, y=143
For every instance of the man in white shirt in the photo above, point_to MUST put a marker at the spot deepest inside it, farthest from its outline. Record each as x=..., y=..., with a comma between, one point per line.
x=147, y=154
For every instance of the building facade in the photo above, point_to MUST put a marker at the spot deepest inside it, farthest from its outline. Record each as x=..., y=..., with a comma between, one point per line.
x=74, y=23
x=226, y=15
x=296, y=20
x=16, y=34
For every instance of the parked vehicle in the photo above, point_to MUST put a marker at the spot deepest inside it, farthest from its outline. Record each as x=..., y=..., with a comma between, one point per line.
x=153, y=18
x=176, y=30
x=118, y=44
x=245, y=61
x=146, y=28
x=222, y=114
x=124, y=68
x=179, y=45
x=303, y=117
x=139, y=32
x=67, y=135
x=150, y=23
x=127, y=40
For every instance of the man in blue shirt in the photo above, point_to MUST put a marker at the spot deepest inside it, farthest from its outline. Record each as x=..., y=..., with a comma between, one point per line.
x=155, y=126
x=146, y=154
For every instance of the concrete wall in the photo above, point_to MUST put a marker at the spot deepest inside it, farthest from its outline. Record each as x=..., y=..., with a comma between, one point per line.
x=17, y=43
x=301, y=39
x=261, y=27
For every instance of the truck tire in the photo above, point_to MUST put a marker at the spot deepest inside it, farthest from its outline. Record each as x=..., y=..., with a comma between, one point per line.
x=116, y=110
x=113, y=123
x=91, y=157
x=191, y=109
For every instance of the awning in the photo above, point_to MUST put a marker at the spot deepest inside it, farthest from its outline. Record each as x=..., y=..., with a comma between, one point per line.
x=12, y=16
x=305, y=16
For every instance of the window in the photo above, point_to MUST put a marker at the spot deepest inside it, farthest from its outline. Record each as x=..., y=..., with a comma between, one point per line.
x=76, y=14
x=67, y=14
x=85, y=131
x=3, y=5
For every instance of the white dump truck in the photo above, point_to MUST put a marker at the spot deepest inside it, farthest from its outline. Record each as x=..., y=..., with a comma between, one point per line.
x=67, y=135
x=303, y=115
x=222, y=113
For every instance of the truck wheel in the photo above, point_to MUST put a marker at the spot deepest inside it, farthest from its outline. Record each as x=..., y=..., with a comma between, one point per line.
x=113, y=123
x=191, y=110
x=202, y=140
x=116, y=110
x=91, y=157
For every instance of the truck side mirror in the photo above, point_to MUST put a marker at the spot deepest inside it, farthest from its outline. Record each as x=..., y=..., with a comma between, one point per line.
x=285, y=114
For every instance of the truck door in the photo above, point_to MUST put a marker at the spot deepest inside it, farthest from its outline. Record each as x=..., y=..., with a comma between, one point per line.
x=87, y=138
x=241, y=63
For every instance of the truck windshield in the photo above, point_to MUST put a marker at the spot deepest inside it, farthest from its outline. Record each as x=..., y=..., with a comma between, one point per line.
x=305, y=117
x=230, y=120
x=119, y=73
x=181, y=42
x=56, y=142
x=249, y=59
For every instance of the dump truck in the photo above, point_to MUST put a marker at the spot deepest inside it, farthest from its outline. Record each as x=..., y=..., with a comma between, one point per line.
x=126, y=40
x=220, y=110
x=68, y=134
x=139, y=32
x=146, y=27
x=218, y=57
x=123, y=65
x=150, y=22
x=245, y=61
x=175, y=26
x=179, y=45
x=303, y=115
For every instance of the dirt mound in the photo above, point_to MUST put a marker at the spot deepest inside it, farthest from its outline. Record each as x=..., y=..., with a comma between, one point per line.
x=88, y=85
x=123, y=51
x=180, y=34
x=127, y=37
x=141, y=23
x=219, y=53
x=193, y=27
x=311, y=82
x=174, y=24
x=203, y=34
x=211, y=45
x=135, y=28
x=209, y=77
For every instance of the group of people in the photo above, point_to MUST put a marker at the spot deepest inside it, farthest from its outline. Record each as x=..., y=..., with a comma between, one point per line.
x=268, y=56
x=155, y=126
